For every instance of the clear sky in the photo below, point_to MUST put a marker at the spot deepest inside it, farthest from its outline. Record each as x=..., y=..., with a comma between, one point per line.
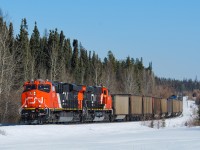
x=166, y=32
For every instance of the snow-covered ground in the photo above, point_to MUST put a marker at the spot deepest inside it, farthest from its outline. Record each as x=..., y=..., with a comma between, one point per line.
x=117, y=136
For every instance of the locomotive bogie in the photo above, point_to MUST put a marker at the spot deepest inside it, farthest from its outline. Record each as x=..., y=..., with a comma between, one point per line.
x=34, y=116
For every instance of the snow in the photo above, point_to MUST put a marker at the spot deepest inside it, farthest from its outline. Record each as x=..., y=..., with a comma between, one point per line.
x=113, y=136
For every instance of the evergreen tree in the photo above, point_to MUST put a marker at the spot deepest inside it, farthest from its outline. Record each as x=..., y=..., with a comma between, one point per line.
x=61, y=41
x=83, y=64
x=35, y=53
x=23, y=54
x=45, y=57
x=128, y=62
x=11, y=38
x=35, y=42
x=96, y=69
x=68, y=53
x=112, y=60
x=75, y=62
x=61, y=56
x=53, y=47
x=89, y=70
x=150, y=67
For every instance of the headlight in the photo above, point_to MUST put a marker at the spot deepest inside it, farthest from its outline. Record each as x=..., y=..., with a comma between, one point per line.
x=34, y=93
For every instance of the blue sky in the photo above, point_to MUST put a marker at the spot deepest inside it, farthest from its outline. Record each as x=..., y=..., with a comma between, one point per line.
x=164, y=32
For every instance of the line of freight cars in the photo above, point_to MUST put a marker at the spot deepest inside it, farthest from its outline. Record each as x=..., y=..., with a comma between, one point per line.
x=131, y=107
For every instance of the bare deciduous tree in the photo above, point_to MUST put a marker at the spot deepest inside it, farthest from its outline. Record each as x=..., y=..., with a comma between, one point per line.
x=7, y=75
x=129, y=81
x=108, y=78
x=148, y=82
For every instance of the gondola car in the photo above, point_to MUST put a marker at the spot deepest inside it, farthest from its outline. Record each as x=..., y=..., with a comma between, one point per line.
x=136, y=107
x=120, y=107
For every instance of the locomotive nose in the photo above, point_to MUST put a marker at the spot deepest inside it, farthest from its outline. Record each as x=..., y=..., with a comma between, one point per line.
x=30, y=98
x=33, y=99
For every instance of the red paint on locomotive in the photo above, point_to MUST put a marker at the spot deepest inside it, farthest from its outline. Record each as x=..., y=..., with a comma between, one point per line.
x=39, y=94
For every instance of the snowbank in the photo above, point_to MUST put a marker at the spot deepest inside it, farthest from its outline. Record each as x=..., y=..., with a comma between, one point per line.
x=116, y=136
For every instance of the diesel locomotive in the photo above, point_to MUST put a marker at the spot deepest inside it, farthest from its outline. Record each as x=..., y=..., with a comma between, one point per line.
x=45, y=101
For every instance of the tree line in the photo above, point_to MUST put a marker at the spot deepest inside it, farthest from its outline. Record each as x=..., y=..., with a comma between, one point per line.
x=55, y=57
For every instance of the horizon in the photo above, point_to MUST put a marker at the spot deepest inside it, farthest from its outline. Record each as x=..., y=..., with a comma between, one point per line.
x=164, y=33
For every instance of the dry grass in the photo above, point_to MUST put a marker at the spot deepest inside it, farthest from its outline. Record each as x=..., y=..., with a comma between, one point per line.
x=192, y=123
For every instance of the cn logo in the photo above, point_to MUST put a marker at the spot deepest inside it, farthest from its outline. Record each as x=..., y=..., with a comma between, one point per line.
x=32, y=100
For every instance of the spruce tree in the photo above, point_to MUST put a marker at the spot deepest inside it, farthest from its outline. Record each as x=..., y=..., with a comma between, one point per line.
x=75, y=62
x=35, y=53
x=53, y=51
x=23, y=54
x=45, y=61
x=11, y=38
x=83, y=64
x=67, y=53
x=61, y=48
x=61, y=41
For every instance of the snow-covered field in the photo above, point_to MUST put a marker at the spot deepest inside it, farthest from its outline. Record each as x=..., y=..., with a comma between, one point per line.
x=117, y=136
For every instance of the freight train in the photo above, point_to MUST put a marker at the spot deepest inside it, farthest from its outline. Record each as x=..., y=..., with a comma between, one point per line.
x=44, y=101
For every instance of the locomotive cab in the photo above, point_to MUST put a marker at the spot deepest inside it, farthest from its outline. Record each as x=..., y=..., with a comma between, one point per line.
x=37, y=98
x=38, y=94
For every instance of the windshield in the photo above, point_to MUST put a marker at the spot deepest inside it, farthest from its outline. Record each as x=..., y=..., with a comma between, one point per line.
x=29, y=87
x=44, y=87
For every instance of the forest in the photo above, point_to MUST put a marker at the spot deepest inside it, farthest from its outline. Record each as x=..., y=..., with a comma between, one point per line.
x=53, y=56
